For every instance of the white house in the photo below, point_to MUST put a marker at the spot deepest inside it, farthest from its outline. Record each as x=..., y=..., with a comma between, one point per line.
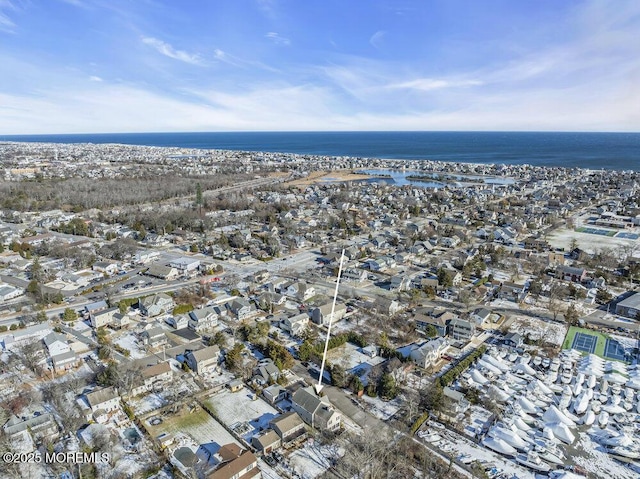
x=185, y=265
x=153, y=377
x=428, y=353
x=105, y=267
x=9, y=292
x=295, y=325
x=157, y=304
x=203, y=319
x=106, y=399
x=204, y=360
x=103, y=317
x=56, y=344
x=322, y=314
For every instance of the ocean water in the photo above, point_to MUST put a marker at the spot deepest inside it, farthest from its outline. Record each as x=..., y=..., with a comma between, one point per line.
x=585, y=150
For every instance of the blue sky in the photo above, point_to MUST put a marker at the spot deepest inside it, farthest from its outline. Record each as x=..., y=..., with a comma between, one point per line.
x=76, y=66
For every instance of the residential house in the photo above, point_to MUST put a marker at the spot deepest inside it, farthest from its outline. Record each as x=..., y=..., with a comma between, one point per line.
x=461, y=330
x=569, y=273
x=354, y=275
x=512, y=292
x=554, y=258
x=274, y=393
x=301, y=291
x=185, y=265
x=266, y=442
x=103, y=401
x=236, y=464
x=155, y=305
x=177, y=322
x=458, y=404
x=387, y=306
x=629, y=307
x=450, y=241
x=56, y=343
x=428, y=353
x=289, y=427
x=154, y=336
x=295, y=325
x=203, y=361
x=203, y=319
x=106, y=267
x=537, y=244
x=103, y=317
x=400, y=283
x=154, y=377
x=95, y=307
x=480, y=315
x=322, y=314
x=8, y=292
x=146, y=256
x=41, y=426
x=266, y=372
x=439, y=319
x=64, y=361
x=241, y=308
x=316, y=411
x=162, y=272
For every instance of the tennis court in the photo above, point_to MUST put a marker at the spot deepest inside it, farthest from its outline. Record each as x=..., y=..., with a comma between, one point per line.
x=595, y=231
x=626, y=235
x=585, y=342
x=613, y=350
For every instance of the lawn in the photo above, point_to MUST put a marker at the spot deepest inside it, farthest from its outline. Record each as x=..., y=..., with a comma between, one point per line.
x=198, y=424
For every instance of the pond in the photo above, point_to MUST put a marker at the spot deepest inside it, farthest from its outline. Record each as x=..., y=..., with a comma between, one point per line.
x=401, y=178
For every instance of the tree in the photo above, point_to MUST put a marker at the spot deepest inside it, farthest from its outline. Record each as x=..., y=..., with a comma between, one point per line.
x=556, y=292
x=199, y=200
x=69, y=314
x=603, y=296
x=356, y=384
x=432, y=397
x=233, y=358
x=41, y=316
x=338, y=375
x=535, y=288
x=37, y=273
x=571, y=315
x=388, y=387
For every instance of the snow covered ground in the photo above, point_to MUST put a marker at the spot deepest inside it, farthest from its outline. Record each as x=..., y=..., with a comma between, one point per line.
x=594, y=459
x=455, y=445
x=128, y=341
x=562, y=237
x=241, y=407
x=350, y=357
x=144, y=404
x=313, y=459
x=553, y=333
x=381, y=409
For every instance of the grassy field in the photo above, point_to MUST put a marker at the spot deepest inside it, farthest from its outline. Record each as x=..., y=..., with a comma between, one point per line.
x=180, y=422
x=568, y=340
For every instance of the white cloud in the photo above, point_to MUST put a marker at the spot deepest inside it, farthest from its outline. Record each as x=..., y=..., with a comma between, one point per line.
x=6, y=24
x=95, y=78
x=429, y=84
x=167, y=50
x=377, y=38
x=278, y=39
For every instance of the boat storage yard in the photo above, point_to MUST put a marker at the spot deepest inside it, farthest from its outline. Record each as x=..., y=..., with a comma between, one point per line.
x=575, y=410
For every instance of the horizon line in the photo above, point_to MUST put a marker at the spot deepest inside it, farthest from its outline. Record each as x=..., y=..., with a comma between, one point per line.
x=2, y=135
